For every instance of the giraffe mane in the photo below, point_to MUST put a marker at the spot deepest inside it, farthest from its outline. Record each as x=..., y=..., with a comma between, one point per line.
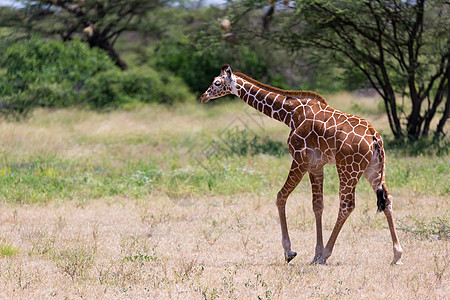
x=296, y=94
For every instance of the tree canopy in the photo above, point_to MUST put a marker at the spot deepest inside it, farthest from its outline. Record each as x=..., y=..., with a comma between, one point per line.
x=402, y=47
x=102, y=22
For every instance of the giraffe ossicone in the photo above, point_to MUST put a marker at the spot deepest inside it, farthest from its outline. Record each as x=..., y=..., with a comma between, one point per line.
x=319, y=135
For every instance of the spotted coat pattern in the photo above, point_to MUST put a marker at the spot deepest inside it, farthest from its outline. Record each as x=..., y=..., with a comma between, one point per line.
x=319, y=135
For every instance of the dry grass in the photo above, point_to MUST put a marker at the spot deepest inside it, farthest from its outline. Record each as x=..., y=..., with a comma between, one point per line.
x=218, y=242
x=216, y=247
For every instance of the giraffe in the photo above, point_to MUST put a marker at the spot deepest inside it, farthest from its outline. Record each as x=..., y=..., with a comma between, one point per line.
x=319, y=135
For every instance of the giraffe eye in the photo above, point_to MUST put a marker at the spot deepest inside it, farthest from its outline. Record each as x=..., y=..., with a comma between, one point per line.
x=217, y=83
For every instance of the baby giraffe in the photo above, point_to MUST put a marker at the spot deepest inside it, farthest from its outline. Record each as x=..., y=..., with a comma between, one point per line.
x=319, y=135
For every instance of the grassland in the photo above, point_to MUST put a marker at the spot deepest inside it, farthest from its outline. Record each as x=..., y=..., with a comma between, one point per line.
x=179, y=203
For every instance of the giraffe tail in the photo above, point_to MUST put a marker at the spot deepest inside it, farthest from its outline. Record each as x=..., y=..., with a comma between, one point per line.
x=382, y=194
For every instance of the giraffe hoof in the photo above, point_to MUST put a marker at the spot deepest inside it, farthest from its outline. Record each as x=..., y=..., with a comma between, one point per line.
x=315, y=261
x=319, y=261
x=290, y=256
x=397, y=263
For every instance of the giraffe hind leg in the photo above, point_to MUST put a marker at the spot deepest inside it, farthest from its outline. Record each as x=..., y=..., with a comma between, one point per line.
x=347, y=188
x=316, y=178
x=384, y=202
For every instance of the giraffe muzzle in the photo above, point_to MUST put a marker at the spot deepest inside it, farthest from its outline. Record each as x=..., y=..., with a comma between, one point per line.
x=204, y=98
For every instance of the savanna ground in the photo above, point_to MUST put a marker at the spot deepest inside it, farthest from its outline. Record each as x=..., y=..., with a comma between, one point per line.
x=180, y=203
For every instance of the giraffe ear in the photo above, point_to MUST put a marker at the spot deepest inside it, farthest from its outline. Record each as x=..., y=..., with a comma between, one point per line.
x=226, y=69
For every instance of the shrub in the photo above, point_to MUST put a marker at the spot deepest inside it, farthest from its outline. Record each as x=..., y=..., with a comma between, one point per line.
x=57, y=74
x=115, y=88
x=48, y=74
x=54, y=62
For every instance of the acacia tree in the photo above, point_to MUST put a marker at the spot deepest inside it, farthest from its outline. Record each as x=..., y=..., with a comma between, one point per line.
x=101, y=21
x=402, y=47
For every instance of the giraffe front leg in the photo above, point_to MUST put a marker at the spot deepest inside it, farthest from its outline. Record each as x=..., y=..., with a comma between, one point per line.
x=295, y=176
x=285, y=240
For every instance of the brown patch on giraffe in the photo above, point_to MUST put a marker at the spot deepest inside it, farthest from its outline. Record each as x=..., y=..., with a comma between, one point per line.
x=250, y=100
x=260, y=106
x=282, y=114
x=247, y=86
x=322, y=143
x=290, y=104
x=321, y=115
x=320, y=128
x=288, y=119
x=341, y=118
x=276, y=105
x=331, y=142
x=254, y=90
x=360, y=129
x=315, y=108
x=308, y=112
x=364, y=147
x=263, y=94
x=267, y=110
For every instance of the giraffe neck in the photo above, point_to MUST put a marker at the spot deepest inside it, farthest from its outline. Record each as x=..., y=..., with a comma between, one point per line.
x=271, y=103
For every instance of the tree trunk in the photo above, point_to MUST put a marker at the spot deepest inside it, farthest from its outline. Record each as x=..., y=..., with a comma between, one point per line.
x=98, y=41
x=414, y=119
x=115, y=56
x=391, y=111
x=443, y=120
x=442, y=90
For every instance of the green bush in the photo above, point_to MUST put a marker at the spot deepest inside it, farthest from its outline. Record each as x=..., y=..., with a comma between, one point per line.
x=48, y=74
x=115, y=88
x=43, y=94
x=54, y=62
x=57, y=74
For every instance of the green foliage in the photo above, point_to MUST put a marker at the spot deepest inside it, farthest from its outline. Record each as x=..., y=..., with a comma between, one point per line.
x=436, y=229
x=197, y=68
x=244, y=142
x=75, y=261
x=318, y=72
x=56, y=74
x=225, y=173
x=198, y=64
x=425, y=146
x=51, y=74
x=54, y=62
x=7, y=249
x=114, y=88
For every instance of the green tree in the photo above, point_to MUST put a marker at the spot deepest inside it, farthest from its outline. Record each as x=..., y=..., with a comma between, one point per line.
x=101, y=22
x=196, y=46
x=401, y=46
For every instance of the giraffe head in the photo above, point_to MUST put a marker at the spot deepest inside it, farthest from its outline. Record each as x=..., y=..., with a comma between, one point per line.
x=222, y=85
